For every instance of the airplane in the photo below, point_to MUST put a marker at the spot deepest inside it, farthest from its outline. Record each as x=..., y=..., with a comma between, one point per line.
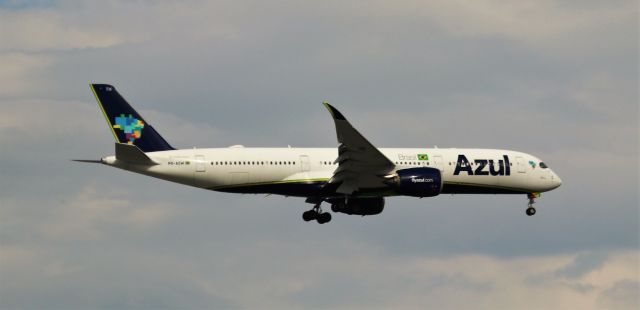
x=354, y=178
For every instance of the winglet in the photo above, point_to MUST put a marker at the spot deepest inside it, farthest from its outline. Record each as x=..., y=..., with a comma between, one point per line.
x=334, y=112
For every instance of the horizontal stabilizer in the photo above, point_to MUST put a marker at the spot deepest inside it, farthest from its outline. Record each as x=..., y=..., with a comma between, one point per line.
x=130, y=153
x=92, y=161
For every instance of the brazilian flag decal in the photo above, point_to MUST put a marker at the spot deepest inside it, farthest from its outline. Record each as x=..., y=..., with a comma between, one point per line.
x=423, y=157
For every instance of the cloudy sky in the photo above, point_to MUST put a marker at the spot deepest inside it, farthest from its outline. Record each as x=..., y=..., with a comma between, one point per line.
x=558, y=79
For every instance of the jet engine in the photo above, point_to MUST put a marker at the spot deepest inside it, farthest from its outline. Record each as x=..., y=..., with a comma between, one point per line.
x=417, y=182
x=359, y=206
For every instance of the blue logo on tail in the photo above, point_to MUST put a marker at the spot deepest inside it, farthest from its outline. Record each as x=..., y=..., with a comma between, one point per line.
x=131, y=126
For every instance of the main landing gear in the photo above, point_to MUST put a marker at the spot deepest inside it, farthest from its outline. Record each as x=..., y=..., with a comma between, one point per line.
x=532, y=199
x=316, y=214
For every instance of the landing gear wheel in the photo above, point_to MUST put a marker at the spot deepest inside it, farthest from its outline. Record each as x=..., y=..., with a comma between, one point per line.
x=531, y=211
x=316, y=214
x=309, y=215
x=324, y=218
x=335, y=208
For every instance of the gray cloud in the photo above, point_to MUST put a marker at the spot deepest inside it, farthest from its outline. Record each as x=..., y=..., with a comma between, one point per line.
x=622, y=295
x=582, y=264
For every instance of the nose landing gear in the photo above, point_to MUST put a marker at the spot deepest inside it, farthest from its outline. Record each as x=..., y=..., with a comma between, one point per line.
x=316, y=214
x=532, y=199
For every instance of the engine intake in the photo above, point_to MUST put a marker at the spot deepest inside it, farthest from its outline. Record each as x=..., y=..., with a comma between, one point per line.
x=417, y=182
x=359, y=206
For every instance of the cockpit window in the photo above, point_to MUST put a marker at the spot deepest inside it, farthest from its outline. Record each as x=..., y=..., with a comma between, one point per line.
x=543, y=165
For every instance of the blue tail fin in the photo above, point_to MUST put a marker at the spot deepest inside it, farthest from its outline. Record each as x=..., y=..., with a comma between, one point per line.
x=126, y=124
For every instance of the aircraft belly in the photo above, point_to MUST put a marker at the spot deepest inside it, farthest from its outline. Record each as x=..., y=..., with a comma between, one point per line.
x=482, y=184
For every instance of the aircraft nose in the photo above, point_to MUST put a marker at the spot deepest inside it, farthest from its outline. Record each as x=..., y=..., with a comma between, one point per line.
x=555, y=179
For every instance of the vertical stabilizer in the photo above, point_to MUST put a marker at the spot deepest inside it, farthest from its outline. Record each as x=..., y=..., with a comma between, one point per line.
x=125, y=123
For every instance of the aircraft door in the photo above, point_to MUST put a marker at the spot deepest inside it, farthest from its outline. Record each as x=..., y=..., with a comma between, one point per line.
x=520, y=164
x=201, y=165
x=304, y=163
x=199, y=175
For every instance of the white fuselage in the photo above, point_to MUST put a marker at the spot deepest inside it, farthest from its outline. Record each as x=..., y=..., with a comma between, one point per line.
x=286, y=170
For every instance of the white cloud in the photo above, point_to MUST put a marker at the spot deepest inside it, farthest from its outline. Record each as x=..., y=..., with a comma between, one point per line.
x=91, y=211
x=45, y=119
x=361, y=277
x=86, y=215
x=42, y=30
x=19, y=72
x=546, y=24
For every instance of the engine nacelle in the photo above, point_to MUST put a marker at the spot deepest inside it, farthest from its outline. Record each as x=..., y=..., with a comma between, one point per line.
x=418, y=182
x=359, y=206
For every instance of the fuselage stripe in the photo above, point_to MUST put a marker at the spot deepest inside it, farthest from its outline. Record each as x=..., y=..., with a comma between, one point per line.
x=302, y=181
